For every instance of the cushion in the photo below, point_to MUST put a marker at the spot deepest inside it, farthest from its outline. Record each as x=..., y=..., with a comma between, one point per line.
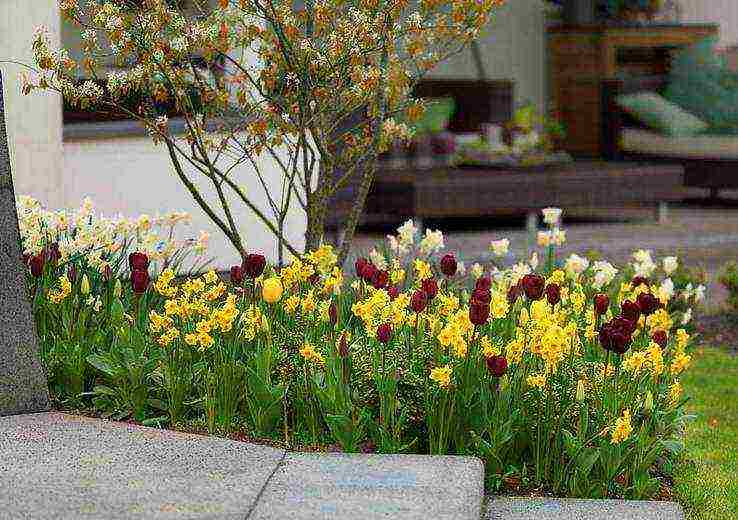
x=703, y=146
x=701, y=84
x=660, y=114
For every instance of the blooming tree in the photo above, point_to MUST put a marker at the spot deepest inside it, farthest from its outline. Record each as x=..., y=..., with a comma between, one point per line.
x=318, y=89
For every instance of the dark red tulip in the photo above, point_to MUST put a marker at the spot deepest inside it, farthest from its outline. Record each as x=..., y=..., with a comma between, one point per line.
x=139, y=281
x=616, y=335
x=237, y=275
x=419, y=301
x=384, y=333
x=72, y=273
x=380, y=279
x=533, y=286
x=647, y=303
x=138, y=261
x=660, y=338
x=601, y=303
x=449, y=265
x=513, y=293
x=107, y=273
x=640, y=280
x=484, y=283
x=630, y=310
x=253, y=265
x=393, y=291
x=333, y=313
x=37, y=264
x=553, y=293
x=360, y=265
x=497, y=365
x=343, y=350
x=480, y=296
x=430, y=287
x=479, y=313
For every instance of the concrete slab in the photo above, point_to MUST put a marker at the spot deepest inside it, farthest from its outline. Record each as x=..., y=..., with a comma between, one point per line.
x=58, y=466
x=570, y=509
x=367, y=487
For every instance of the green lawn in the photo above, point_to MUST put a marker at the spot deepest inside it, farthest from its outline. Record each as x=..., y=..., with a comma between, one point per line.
x=706, y=484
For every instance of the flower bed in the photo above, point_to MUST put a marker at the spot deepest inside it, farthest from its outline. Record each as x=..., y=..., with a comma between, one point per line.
x=561, y=373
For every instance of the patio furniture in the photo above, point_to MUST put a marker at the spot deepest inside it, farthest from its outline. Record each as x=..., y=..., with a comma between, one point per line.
x=482, y=192
x=709, y=161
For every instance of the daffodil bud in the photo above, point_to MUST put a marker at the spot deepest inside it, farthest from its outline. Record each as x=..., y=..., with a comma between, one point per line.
x=84, y=286
x=117, y=289
x=580, y=391
x=648, y=404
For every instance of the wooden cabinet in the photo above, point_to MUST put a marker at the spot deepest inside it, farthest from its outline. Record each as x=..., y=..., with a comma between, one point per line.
x=580, y=57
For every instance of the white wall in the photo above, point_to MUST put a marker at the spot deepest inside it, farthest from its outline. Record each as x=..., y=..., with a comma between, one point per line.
x=513, y=47
x=724, y=12
x=132, y=176
x=34, y=121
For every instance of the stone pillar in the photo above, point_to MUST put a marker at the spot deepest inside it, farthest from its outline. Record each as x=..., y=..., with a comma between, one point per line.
x=34, y=122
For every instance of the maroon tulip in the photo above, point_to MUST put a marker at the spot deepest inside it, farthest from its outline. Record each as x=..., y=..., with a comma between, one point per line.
x=237, y=275
x=343, y=350
x=430, y=287
x=513, y=293
x=497, y=365
x=640, y=280
x=479, y=313
x=107, y=273
x=72, y=273
x=484, y=283
x=625, y=323
x=139, y=281
x=601, y=303
x=630, y=310
x=480, y=296
x=660, y=338
x=647, y=303
x=393, y=291
x=138, y=261
x=333, y=313
x=384, y=333
x=419, y=301
x=253, y=265
x=360, y=265
x=449, y=265
x=553, y=293
x=380, y=279
x=533, y=286
x=616, y=336
x=37, y=264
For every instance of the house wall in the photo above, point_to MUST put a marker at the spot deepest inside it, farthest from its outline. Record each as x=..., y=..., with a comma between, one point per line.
x=133, y=176
x=33, y=122
x=724, y=12
x=513, y=46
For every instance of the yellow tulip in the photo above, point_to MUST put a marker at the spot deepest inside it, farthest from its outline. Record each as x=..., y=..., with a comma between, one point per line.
x=84, y=286
x=271, y=290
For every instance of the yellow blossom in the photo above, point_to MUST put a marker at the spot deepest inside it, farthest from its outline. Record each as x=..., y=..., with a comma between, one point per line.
x=536, y=380
x=442, y=376
x=622, y=429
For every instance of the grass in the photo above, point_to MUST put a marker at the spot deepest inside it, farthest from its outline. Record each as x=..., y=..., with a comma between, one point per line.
x=706, y=482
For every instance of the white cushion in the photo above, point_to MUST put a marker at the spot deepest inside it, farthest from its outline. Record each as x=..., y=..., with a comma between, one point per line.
x=703, y=146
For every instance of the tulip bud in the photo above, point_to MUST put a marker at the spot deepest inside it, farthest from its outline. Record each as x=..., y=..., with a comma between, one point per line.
x=271, y=290
x=484, y=283
x=84, y=286
x=419, y=301
x=630, y=310
x=660, y=338
x=533, y=286
x=72, y=273
x=139, y=281
x=333, y=313
x=343, y=350
x=379, y=279
x=648, y=403
x=430, y=288
x=117, y=289
x=37, y=265
x=393, y=291
x=580, y=391
x=384, y=333
x=553, y=293
x=479, y=313
x=601, y=303
x=647, y=303
x=237, y=275
x=449, y=265
x=138, y=261
x=253, y=265
x=497, y=365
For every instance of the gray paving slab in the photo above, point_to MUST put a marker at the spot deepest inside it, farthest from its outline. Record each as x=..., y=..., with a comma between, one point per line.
x=58, y=466
x=367, y=487
x=23, y=385
x=571, y=509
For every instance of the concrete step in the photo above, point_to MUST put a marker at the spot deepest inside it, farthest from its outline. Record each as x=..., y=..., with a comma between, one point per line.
x=574, y=509
x=59, y=466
